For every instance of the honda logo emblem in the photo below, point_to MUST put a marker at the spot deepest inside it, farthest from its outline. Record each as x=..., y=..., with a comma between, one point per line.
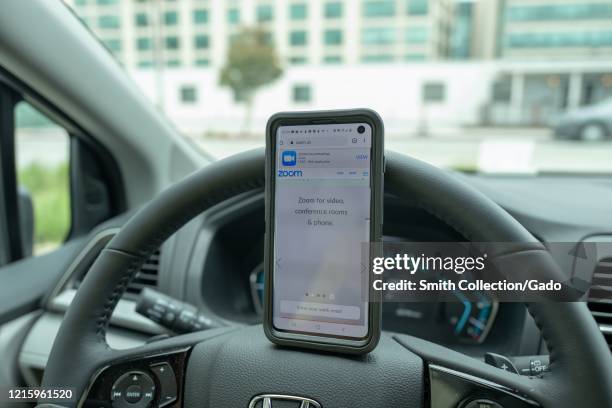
x=266, y=401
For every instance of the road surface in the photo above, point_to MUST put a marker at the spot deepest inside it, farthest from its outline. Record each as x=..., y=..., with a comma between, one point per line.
x=485, y=150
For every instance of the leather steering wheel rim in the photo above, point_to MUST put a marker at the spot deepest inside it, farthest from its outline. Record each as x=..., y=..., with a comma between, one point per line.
x=579, y=376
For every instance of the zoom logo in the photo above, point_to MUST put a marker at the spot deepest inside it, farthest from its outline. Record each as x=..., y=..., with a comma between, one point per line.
x=290, y=173
x=289, y=158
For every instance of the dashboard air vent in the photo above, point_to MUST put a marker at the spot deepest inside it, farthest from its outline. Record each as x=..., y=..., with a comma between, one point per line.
x=146, y=277
x=600, y=297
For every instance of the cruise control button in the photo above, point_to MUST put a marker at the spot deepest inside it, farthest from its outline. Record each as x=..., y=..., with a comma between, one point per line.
x=167, y=381
x=538, y=366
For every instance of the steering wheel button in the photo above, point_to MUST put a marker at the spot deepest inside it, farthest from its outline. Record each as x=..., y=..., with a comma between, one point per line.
x=538, y=366
x=133, y=393
x=135, y=389
x=167, y=380
x=116, y=394
x=482, y=403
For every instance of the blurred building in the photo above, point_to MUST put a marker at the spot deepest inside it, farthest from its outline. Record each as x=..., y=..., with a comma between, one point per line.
x=196, y=33
x=552, y=48
x=476, y=29
x=555, y=29
x=546, y=52
x=422, y=63
x=532, y=29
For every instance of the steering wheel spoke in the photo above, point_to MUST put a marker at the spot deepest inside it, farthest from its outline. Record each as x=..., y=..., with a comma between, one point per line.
x=150, y=375
x=139, y=382
x=457, y=380
x=451, y=388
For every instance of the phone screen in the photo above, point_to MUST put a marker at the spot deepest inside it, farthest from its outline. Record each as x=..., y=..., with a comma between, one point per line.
x=322, y=212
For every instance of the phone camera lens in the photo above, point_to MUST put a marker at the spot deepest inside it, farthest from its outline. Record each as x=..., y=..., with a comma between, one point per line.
x=360, y=129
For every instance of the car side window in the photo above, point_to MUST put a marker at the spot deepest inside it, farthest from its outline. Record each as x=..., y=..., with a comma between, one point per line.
x=43, y=180
x=57, y=181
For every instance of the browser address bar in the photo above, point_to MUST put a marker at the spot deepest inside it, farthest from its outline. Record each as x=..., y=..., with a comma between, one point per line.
x=314, y=141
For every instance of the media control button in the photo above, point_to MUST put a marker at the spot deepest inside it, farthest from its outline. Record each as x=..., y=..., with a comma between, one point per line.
x=135, y=389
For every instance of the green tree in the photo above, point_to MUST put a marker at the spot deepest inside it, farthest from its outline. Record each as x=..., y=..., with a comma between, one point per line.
x=251, y=63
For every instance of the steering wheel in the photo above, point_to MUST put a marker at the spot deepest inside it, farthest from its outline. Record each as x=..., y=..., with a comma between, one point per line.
x=238, y=367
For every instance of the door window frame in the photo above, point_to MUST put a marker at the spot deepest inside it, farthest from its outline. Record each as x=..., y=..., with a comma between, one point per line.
x=12, y=92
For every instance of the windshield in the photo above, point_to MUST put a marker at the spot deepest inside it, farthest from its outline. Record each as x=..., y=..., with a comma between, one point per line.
x=484, y=85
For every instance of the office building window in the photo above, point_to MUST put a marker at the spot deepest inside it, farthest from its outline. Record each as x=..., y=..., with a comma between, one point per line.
x=434, y=92
x=171, y=18
x=332, y=37
x=264, y=13
x=378, y=36
x=108, y=22
x=188, y=94
x=106, y=2
x=173, y=63
x=202, y=62
x=141, y=20
x=172, y=43
x=502, y=90
x=233, y=16
x=298, y=38
x=584, y=11
x=200, y=16
x=301, y=93
x=558, y=39
x=379, y=8
x=333, y=10
x=201, y=41
x=145, y=64
x=416, y=35
x=462, y=31
x=144, y=44
x=298, y=60
x=298, y=11
x=418, y=7
x=332, y=59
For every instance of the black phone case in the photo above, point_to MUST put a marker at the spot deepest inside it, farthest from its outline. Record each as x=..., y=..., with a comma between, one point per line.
x=374, y=307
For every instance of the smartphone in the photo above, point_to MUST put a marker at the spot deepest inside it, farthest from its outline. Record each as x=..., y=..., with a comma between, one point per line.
x=324, y=197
